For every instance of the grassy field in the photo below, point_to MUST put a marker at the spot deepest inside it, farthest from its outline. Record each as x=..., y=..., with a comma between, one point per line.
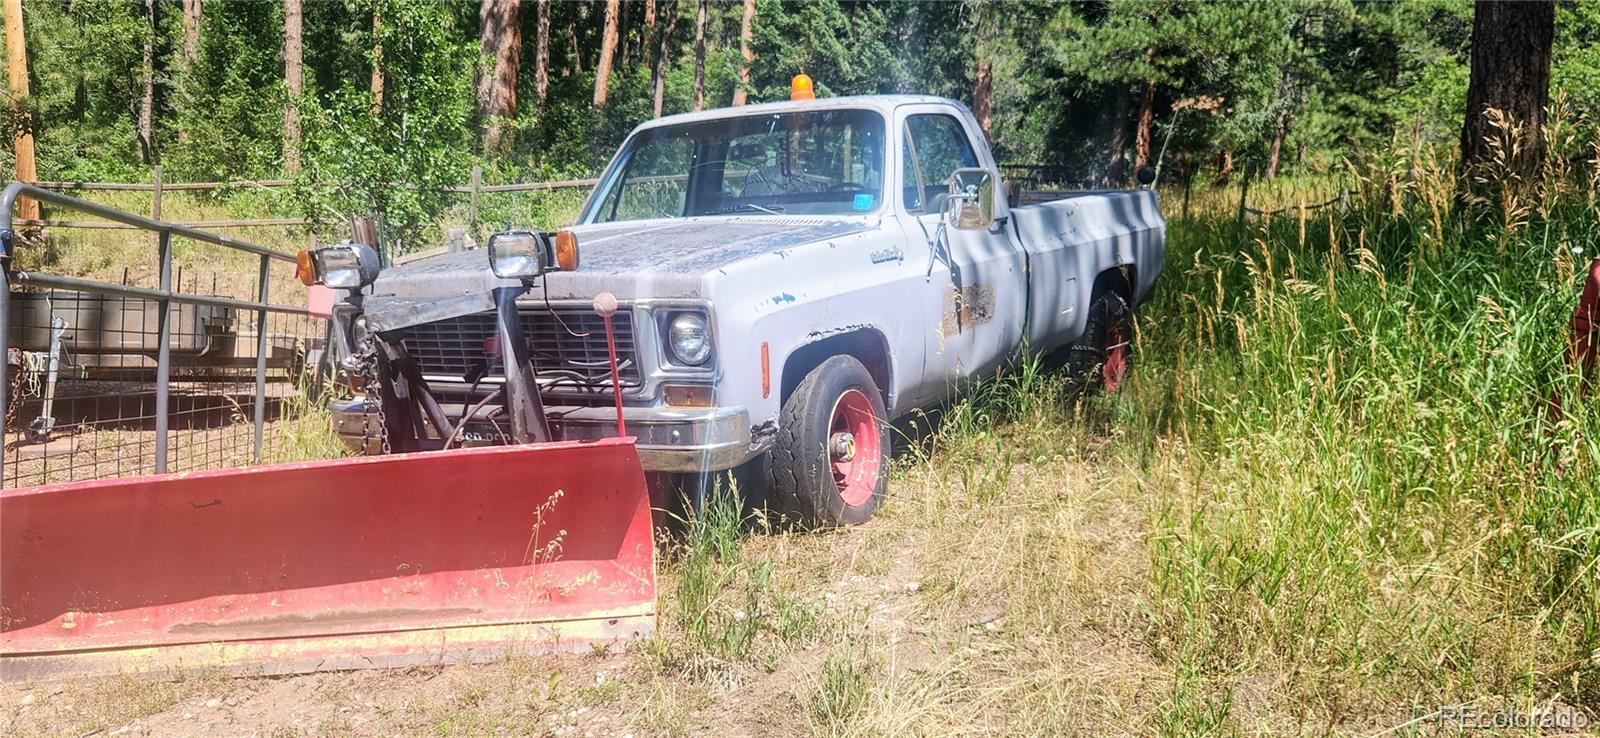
x=1333, y=501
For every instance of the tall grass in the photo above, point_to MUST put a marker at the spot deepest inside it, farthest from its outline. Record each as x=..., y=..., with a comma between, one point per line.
x=724, y=606
x=1342, y=421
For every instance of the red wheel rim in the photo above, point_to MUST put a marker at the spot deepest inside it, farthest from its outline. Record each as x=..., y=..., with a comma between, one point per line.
x=854, y=447
x=1115, y=368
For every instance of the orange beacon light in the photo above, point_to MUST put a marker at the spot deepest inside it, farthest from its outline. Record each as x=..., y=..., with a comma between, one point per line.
x=801, y=89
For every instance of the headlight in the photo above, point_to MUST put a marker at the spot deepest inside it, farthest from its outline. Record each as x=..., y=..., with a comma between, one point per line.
x=518, y=254
x=689, y=338
x=345, y=266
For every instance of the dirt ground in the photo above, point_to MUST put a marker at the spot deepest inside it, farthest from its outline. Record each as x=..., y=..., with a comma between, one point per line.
x=999, y=602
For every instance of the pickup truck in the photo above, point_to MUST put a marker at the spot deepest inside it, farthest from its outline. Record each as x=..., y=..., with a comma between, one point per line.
x=790, y=277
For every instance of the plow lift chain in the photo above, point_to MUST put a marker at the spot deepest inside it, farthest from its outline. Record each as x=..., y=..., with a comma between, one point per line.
x=366, y=367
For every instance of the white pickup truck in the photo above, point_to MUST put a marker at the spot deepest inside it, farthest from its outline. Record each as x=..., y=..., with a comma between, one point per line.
x=791, y=276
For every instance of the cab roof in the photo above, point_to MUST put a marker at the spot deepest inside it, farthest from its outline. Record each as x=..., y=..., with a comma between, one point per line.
x=884, y=104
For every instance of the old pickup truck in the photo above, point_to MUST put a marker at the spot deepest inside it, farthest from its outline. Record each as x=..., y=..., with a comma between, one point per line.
x=791, y=276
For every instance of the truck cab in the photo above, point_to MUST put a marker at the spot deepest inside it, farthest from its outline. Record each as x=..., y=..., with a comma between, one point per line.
x=789, y=277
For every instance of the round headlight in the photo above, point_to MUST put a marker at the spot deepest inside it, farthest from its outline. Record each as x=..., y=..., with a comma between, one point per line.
x=690, y=340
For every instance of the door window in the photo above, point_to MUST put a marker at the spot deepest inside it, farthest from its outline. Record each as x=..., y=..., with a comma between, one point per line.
x=935, y=147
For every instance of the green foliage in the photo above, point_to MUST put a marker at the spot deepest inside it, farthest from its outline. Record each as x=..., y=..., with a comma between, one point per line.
x=235, y=130
x=85, y=82
x=1315, y=80
x=357, y=147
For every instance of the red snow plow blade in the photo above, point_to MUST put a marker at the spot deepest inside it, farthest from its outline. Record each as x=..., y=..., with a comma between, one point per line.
x=384, y=561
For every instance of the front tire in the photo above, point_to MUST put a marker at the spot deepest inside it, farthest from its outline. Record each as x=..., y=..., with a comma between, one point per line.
x=831, y=459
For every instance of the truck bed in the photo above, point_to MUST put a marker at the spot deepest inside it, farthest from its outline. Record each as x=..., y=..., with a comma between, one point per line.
x=1073, y=239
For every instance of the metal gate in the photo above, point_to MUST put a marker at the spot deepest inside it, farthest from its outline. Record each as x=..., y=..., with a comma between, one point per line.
x=105, y=379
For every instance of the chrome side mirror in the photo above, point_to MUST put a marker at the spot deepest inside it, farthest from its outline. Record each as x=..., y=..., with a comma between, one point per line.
x=970, y=206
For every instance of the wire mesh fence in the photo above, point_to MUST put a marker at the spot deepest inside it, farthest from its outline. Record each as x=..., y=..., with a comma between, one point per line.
x=185, y=372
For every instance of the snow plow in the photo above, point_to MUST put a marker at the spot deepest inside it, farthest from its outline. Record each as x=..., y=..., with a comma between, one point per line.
x=432, y=554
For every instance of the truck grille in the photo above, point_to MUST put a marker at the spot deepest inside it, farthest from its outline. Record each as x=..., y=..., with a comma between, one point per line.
x=568, y=346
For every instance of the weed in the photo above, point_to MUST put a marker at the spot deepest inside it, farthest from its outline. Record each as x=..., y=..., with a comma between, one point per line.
x=843, y=688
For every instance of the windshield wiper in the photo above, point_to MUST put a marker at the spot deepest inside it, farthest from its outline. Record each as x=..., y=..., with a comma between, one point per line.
x=747, y=206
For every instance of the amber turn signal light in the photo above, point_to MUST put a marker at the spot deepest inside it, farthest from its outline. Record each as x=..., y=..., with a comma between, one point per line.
x=305, y=267
x=567, y=251
x=687, y=395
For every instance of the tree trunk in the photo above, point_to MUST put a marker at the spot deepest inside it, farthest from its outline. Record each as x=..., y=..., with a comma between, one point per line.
x=1275, y=152
x=700, y=57
x=608, y=47
x=541, y=61
x=647, y=34
x=982, y=95
x=191, y=48
x=1141, y=135
x=1117, y=168
x=500, y=40
x=293, y=20
x=1280, y=127
x=376, y=85
x=147, y=98
x=658, y=76
x=623, y=31
x=747, y=54
x=574, y=64
x=983, y=82
x=22, y=133
x=1511, y=75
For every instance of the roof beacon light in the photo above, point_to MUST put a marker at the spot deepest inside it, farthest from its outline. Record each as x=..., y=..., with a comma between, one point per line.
x=801, y=89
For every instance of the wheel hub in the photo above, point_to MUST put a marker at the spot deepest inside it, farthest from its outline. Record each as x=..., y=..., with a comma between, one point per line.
x=854, y=447
x=844, y=446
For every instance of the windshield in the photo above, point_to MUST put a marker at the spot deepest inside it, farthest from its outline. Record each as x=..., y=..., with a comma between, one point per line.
x=826, y=162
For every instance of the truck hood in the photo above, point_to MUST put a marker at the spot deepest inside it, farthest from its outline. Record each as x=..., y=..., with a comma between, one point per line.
x=636, y=259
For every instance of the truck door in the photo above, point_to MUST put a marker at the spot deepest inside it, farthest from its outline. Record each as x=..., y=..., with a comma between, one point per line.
x=976, y=293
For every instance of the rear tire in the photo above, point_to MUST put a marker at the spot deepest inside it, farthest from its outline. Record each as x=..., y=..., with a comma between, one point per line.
x=1103, y=355
x=831, y=459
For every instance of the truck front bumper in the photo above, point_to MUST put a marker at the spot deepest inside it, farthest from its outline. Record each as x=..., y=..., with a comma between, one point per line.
x=670, y=439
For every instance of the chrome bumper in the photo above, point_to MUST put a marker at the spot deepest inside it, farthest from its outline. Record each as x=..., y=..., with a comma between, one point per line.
x=670, y=439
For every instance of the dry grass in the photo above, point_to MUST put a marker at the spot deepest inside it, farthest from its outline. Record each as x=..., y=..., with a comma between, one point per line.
x=1001, y=610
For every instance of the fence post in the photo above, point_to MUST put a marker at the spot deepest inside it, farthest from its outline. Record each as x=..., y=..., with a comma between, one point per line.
x=155, y=195
x=163, y=352
x=261, y=360
x=472, y=207
x=1244, y=192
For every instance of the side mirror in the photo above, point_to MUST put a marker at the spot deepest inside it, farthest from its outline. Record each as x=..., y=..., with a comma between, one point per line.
x=1146, y=175
x=972, y=197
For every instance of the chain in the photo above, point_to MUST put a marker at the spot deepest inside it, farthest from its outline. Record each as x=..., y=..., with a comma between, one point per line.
x=14, y=400
x=24, y=381
x=383, y=421
x=368, y=370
